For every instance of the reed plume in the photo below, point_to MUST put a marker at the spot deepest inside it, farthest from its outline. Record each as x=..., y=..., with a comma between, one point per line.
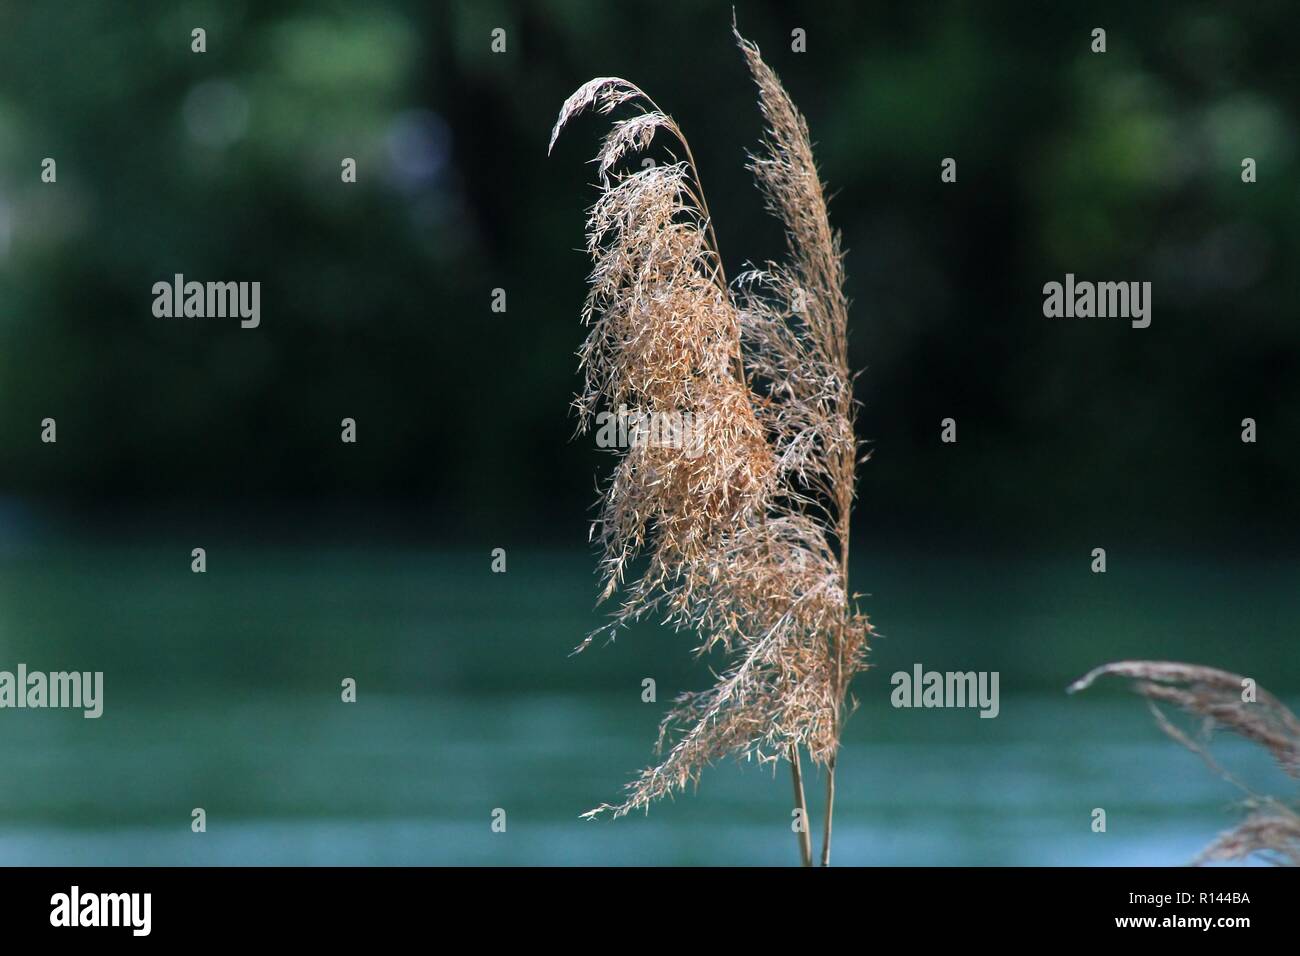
x=1218, y=699
x=745, y=546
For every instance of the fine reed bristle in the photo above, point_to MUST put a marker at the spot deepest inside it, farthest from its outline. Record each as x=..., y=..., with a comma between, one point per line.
x=743, y=539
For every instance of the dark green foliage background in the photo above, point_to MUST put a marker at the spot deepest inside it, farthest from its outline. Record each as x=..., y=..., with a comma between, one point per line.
x=376, y=296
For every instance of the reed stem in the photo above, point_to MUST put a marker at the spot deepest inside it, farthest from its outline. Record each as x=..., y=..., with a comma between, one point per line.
x=805, y=838
x=830, y=812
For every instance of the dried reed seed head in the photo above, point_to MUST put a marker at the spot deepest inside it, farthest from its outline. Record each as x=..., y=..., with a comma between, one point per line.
x=659, y=320
x=727, y=544
x=1273, y=832
x=1218, y=698
x=604, y=92
x=627, y=136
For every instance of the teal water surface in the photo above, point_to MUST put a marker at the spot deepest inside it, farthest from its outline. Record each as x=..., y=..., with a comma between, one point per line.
x=222, y=691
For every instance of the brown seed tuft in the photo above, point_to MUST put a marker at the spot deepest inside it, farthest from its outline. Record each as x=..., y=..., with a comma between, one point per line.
x=746, y=544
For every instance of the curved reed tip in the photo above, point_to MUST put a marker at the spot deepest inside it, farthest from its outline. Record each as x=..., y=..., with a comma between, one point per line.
x=1135, y=670
x=603, y=93
x=1084, y=682
x=1160, y=672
